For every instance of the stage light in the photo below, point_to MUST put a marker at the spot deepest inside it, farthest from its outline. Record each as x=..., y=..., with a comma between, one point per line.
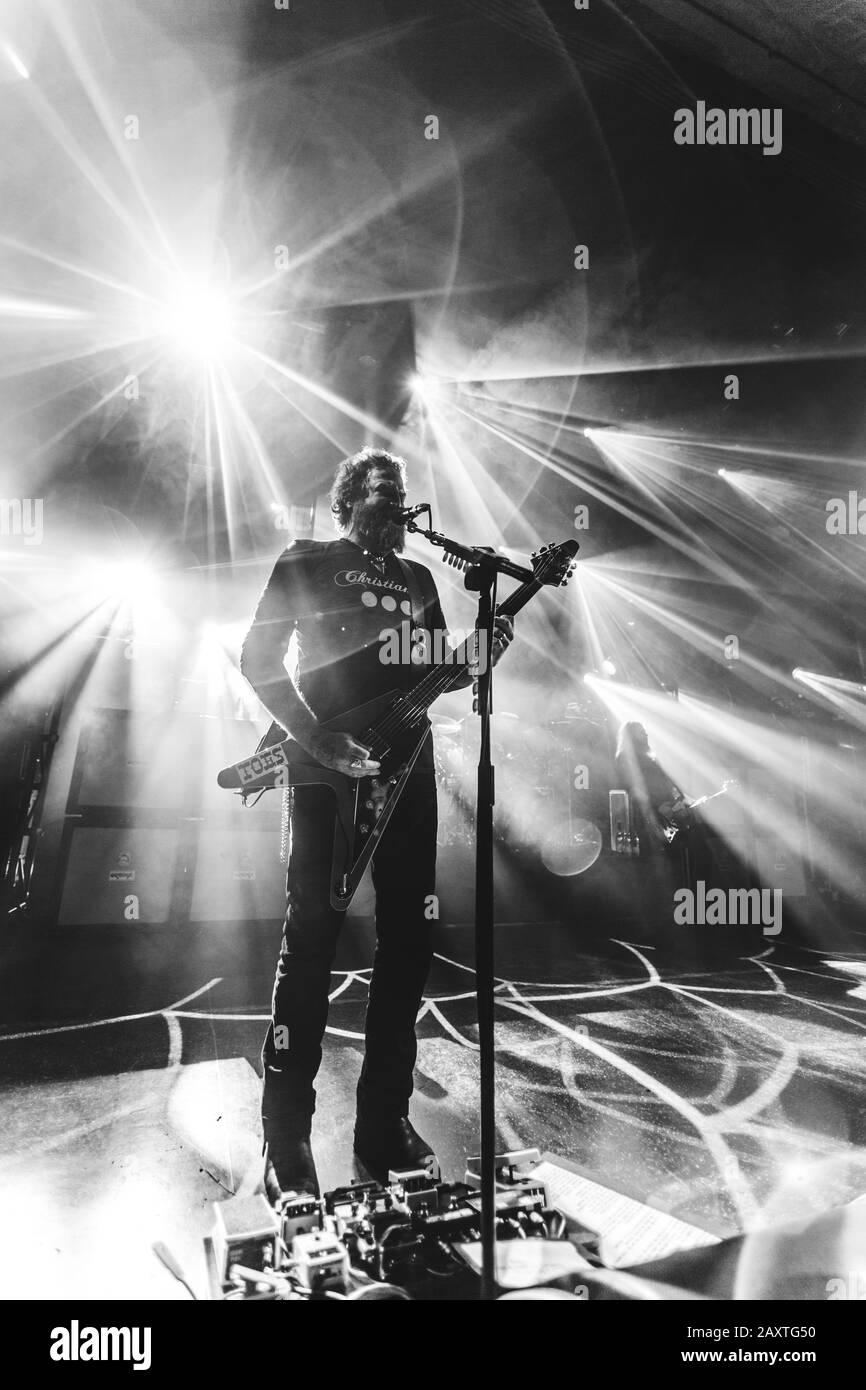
x=829, y=684
x=607, y=667
x=118, y=579
x=588, y=432
x=426, y=388
x=722, y=472
x=198, y=321
x=16, y=62
x=129, y=578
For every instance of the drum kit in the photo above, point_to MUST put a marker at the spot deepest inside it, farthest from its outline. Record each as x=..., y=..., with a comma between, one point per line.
x=541, y=808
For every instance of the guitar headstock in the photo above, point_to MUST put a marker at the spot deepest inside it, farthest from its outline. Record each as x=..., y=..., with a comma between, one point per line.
x=554, y=564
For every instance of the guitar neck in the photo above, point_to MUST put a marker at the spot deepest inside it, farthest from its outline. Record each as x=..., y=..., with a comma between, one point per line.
x=441, y=677
x=711, y=796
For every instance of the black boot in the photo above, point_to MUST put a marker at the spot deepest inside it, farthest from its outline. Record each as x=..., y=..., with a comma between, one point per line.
x=385, y=1144
x=289, y=1164
x=286, y=1122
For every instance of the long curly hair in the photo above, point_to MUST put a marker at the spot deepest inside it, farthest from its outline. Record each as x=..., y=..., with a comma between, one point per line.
x=350, y=480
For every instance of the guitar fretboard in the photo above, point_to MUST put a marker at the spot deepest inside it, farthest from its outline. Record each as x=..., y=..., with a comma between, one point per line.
x=408, y=712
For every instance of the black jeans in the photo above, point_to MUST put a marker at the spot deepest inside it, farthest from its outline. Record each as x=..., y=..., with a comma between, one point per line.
x=404, y=869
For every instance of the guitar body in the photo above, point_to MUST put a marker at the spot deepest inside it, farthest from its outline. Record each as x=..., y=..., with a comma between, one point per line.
x=676, y=823
x=364, y=805
x=393, y=726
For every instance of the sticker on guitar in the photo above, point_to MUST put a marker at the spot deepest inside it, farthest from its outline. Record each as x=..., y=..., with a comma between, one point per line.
x=267, y=763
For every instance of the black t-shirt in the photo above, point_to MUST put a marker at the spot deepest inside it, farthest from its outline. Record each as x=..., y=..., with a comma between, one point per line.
x=342, y=610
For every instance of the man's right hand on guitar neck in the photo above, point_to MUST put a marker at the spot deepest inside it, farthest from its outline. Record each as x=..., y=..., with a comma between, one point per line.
x=339, y=752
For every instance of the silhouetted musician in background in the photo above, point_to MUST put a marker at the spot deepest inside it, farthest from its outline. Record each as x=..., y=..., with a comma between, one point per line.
x=655, y=802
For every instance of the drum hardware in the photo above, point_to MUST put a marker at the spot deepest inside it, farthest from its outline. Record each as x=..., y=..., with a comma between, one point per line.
x=538, y=810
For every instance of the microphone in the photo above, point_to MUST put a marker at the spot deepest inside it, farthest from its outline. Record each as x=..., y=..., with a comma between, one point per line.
x=407, y=513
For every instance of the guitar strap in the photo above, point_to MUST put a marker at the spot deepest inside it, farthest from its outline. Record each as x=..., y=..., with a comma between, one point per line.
x=417, y=598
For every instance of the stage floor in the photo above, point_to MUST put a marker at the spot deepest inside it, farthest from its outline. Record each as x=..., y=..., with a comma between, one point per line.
x=721, y=1080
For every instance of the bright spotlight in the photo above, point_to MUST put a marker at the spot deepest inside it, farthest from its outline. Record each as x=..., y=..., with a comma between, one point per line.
x=722, y=472
x=607, y=667
x=426, y=388
x=798, y=673
x=588, y=432
x=198, y=321
x=119, y=579
x=129, y=579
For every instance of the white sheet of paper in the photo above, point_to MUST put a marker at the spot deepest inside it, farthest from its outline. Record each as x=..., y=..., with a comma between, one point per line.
x=632, y=1233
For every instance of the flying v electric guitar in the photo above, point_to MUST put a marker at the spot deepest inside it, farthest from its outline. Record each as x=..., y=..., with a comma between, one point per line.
x=394, y=727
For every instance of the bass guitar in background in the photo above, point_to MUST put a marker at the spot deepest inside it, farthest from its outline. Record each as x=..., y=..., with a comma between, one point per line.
x=678, y=817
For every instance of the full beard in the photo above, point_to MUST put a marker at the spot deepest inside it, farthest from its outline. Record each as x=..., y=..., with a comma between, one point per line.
x=377, y=532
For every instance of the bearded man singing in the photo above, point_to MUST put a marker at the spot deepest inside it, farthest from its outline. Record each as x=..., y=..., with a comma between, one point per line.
x=336, y=597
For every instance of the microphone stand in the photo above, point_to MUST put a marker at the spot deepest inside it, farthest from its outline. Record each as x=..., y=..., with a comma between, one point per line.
x=483, y=567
